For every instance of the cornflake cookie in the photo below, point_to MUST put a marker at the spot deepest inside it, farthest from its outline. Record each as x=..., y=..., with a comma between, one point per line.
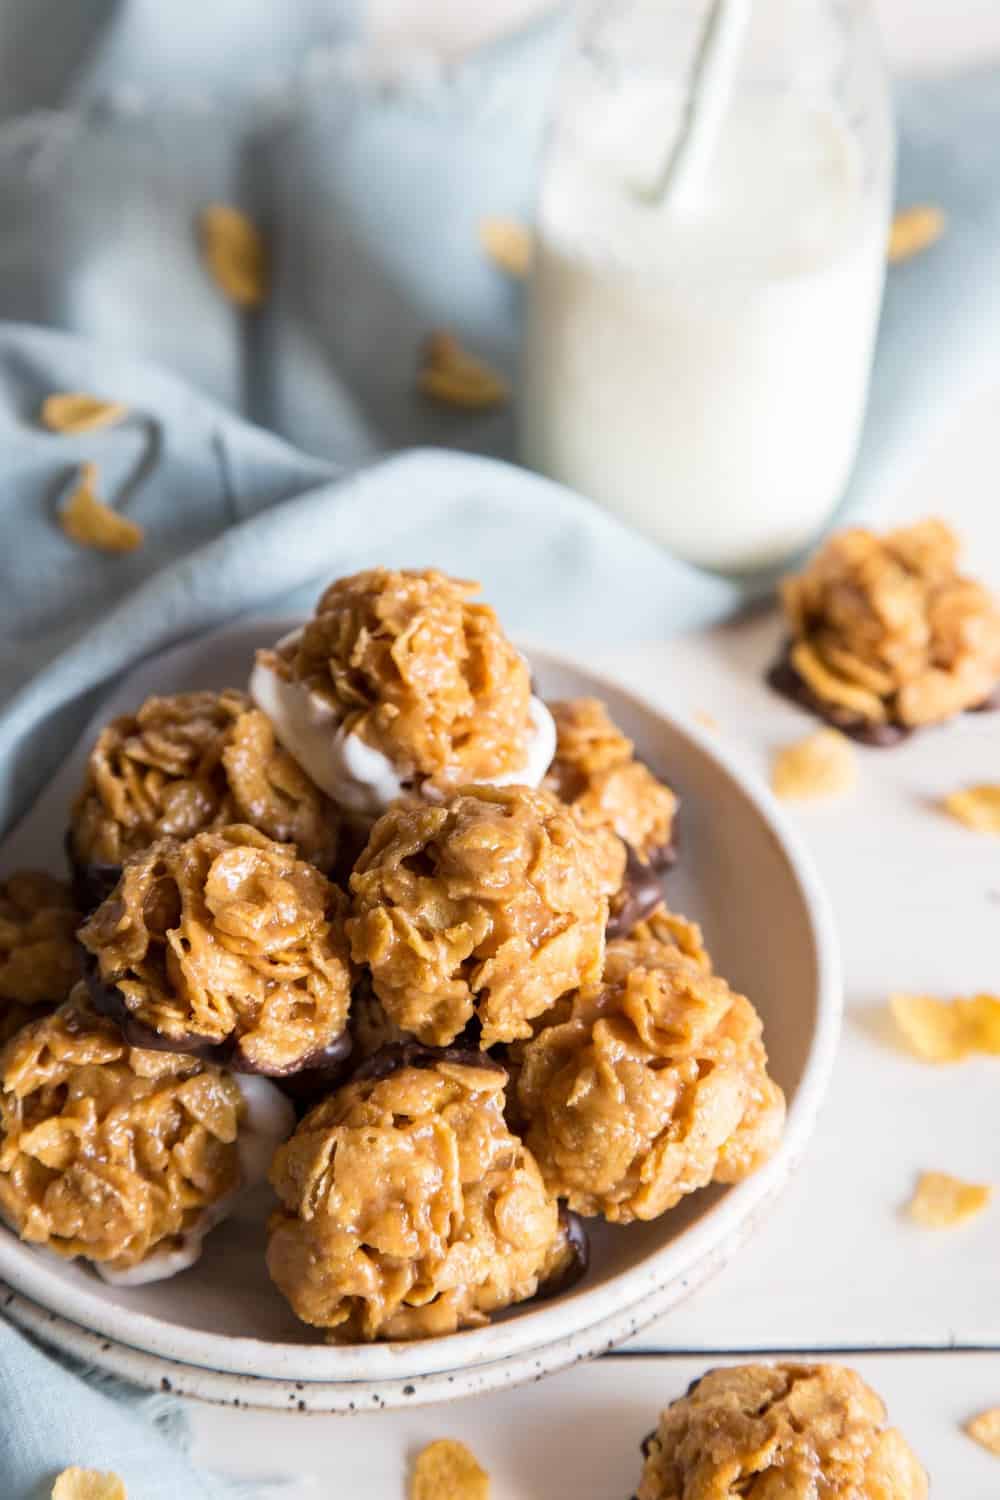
x=794, y=1431
x=491, y=905
x=447, y=1470
x=107, y=1151
x=647, y=1087
x=409, y=1210
x=227, y=946
x=39, y=955
x=402, y=682
x=182, y=764
x=887, y=635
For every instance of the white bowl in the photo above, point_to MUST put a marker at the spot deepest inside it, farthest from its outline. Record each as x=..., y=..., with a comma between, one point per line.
x=222, y=1332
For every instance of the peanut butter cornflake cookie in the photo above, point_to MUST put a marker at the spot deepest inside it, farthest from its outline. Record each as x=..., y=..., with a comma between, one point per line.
x=88, y=1484
x=886, y=635
x=794, y=1431
x=408, y=1209
x=648, y=1086
x=491, y=905
x=179, y=765
x=227, y=946
x=403, y=682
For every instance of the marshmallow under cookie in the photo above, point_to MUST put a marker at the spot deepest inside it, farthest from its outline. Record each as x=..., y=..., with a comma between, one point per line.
x=269, y=1120
x=354, y=774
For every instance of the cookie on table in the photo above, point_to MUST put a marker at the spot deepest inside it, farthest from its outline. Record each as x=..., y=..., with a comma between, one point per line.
x=408, y=1209
x=226, y=946
x=488, y=906
x=123, y=1156
x=183, y=764
x=618, y=798
x=796, y=1432
x=403, y=682
x=648, y=1086
x=39, y=954
x=886, y=635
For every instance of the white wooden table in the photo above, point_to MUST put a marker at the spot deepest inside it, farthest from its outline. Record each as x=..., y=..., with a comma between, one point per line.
x=917, y=899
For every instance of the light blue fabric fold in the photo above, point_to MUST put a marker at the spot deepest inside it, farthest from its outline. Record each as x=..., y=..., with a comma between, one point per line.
x=119, y=120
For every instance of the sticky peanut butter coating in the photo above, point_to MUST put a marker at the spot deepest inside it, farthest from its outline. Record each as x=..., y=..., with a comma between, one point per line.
x=227, y=945
x=188, y=763
x=779, y=1432
x=490, y=905
x=408, y=1209
x=648, y=1086
x=108, y=1151
x=886, y=631
x=411, y=662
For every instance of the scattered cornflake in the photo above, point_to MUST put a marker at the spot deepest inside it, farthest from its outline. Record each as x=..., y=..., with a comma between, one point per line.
x=985, y=1429
x=977, y=807
x=508, y=243
x=821, y=765
x=947, y=1030
x=235, y=254
x=941, y=1201
x=87, y=1484
x=449, y=374
x=74, y=411
x=446, y=1470
x=705, y=719
x=87, y=520
x=914, y=229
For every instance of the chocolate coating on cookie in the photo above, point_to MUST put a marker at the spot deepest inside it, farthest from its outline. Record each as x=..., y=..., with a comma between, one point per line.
x=784, y=679
x=640, y=894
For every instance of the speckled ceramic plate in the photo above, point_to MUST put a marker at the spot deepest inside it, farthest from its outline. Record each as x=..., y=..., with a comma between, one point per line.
x=221, y=1331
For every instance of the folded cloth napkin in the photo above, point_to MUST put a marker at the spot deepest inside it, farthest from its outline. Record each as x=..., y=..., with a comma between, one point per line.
x=123, y=119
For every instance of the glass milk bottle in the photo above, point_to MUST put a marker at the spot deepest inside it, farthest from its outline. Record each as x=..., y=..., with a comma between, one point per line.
x=711, y=243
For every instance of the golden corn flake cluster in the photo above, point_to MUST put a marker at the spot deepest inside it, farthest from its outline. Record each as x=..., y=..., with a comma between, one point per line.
x=186, y=763
x=794, y=1431
x=39, y=958
x=653, y=1084
x=226, y=943
x=886, y=635
x=490, y=906
x=408, y=1207
x=420, y=670
x=108, y=1151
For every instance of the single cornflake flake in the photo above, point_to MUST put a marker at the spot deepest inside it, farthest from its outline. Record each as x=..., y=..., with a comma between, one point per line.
x=821, y=765
x=978, y=807
x=915, y=229
x=88, y=1484
x=944, y=1031
x=508, y=243
x=74, y=411
x=446, y=1470
x=235, y=254
x=942, y=1201
x=449, y=374
x=87, y=520
x=984, y=1429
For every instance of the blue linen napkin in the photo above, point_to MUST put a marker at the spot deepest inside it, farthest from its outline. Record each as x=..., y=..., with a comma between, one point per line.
x=122, y=120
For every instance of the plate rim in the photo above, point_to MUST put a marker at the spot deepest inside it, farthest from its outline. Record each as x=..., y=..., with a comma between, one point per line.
x=521, y=1340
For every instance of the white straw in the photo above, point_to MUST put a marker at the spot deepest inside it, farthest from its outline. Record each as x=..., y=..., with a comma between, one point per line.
x=711, y=89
